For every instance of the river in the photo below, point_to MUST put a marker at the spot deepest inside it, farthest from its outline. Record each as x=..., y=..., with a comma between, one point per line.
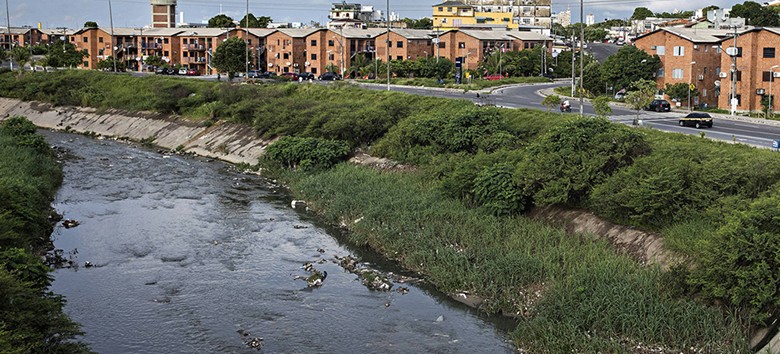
x=191, y=256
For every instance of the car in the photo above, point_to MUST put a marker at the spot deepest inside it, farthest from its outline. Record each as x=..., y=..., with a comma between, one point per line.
x=161, y=71
x=182, y=71
x=493, y=77
x=253, y=74
x=267, y=75
x=329, y=76
x=659, y=106
x=307, y=76
x=291, y=76
x=696, y=119
x=171, y=71
x=192, y=72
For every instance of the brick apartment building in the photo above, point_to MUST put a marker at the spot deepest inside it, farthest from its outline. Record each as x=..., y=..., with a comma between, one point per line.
x=20, y=36
x=688, y=55
x=758, y=67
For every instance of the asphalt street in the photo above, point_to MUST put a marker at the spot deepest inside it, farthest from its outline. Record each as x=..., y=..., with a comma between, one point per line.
x=527, y=96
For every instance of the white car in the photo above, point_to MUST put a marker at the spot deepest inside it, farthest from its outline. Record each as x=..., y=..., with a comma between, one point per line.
x=183, y=71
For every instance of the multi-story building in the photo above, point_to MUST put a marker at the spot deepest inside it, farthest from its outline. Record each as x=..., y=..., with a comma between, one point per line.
x=455, y=14
x=286, y=50
x=688, y=55
x=757, y=68
x=163, y=13
x=352, y=15
x=20, y=36
x=523, y=12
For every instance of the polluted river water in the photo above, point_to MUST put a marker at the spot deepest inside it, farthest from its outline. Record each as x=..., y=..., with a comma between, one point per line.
x=185, y=255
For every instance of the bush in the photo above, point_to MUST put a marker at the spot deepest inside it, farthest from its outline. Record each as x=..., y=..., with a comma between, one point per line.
x=564, y=164
x=494, y=188
x=307, y=153
x=741, y=265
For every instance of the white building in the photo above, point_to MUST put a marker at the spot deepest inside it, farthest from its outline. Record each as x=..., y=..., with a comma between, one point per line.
x=563, y=18
x=590, y=20
x=524, y=12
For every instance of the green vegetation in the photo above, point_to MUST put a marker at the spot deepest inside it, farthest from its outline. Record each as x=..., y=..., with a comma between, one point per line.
x=231, y=55
x=31, y=317
x=457, y=217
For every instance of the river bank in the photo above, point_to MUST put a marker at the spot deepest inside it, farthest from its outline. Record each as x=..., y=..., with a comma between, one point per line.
x=170, y=134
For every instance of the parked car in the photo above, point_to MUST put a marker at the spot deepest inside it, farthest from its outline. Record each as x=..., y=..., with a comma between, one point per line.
x=183, y=71
x=659, y=106
x=493, y=77
x=307, y=76
x=329, y=76
x=291, y=76
x=253, y=74
x=267, y=75
x=171, y=71
x=192, y=72
x=161, y=71
x=696, y=119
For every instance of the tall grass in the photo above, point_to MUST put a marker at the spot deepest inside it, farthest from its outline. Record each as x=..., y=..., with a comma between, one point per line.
x=593, y=299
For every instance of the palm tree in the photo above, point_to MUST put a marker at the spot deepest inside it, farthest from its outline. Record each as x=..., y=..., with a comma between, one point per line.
x=20, y=55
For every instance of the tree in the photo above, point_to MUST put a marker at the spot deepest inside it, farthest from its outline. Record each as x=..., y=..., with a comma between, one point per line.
x=629, y=64
x=221, y=21
x=551, y=102
x=108, y=64
x=755, y=14
x=63, y=54
x=423, y=23
x=641, y=96
x=591, y=79
x=155, y=61
x=229, y=57
x=709, y=8
x=680, y=91
x=595, y=34
x=601, y=106
x=254, y=22
x=641, y=13
x=20, y=55
x=681, y=14
x=90, y=24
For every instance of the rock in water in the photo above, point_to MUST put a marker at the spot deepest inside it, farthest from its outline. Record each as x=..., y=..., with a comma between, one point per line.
x=440, y=319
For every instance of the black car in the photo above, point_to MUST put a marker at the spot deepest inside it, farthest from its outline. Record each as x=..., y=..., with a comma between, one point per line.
x=266, y=75
x=659, y=106
x=329, y=76
x=307, y=76
x=253, y=74
x=171, y=71
x=697, y=120
x=160, y=71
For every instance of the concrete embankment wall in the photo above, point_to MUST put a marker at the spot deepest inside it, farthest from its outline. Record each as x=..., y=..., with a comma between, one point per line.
x=230, y=142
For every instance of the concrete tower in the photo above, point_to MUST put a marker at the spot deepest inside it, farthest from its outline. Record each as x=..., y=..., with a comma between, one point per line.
x=163, y=13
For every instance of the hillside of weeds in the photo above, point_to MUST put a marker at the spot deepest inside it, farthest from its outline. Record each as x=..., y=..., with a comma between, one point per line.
x=31, y=317
x=458, y=216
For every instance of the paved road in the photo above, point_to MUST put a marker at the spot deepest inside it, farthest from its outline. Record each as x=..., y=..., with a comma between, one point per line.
x=527, y=96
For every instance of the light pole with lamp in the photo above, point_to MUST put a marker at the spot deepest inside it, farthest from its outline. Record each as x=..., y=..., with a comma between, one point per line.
x=690, y=85
x=8, y=28
x=113, y=46
x=771, y=80
x=246, y=41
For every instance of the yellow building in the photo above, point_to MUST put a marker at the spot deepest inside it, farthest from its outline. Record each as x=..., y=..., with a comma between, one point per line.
x=455, y=14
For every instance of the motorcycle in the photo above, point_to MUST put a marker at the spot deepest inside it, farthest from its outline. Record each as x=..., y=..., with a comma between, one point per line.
x=565, y=108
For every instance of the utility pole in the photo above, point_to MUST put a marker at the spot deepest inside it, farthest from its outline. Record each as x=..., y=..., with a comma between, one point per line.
x=733, y=95
x=113, y=44
x=341, y=44
x=582, y=59
x=437, y=44
x=572, y=62
x=8, y=23
x=140, y=44
x=388, y=44
x=246, y=41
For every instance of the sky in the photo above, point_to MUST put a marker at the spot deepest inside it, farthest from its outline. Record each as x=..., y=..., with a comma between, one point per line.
x=136, y=13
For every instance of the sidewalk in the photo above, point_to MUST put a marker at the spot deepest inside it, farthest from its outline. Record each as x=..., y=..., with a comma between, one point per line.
x=550, y=91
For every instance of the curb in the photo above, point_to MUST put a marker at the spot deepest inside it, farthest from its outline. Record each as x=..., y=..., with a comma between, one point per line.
x=488, y=90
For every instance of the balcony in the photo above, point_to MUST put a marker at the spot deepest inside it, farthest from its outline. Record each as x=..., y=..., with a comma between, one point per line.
x=151, y=45
x=196, y=47
x=201, y=60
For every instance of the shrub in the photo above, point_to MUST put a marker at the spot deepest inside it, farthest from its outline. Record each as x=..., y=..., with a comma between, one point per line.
x=494, y=188
x=306, y=153
x=741, y=265
x=565, y=163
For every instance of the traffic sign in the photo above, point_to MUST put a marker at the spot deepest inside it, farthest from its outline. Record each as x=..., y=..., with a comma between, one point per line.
x=693, y=87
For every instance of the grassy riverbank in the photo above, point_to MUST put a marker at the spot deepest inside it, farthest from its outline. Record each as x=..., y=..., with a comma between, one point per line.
x=458, y=215
x=31, y=317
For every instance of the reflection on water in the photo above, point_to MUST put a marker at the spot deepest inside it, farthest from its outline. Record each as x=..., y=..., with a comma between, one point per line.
x=191, y=257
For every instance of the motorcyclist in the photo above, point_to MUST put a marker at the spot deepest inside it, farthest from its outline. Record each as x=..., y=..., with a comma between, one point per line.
x=565, y=105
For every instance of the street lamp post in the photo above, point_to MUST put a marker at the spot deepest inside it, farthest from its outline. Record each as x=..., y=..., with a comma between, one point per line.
x=387, y=46
x=690, y=85
x=246, y=41
x=113, y=46
x=8, y=28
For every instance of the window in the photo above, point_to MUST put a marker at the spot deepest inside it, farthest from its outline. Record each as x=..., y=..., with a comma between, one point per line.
x=441, y=8
x=769, y=52
x=399, y=44
x=461, y=44
x=660, y=50
x=739, y=75
x=100, y=39
x=86, y=64
x=165, y=53
x=704, y=91
x=184, y=54
x=286, y=56
x=677, y=73
x=330, y=57
x=389, y=44
x=527, y=45
x=660, y=73
x=766, y=76
x=330, y=42
x=313, y=42
x=449, y=9
x=86, y=39
x=313, y=70
x=314, y=57
x=679, y=51
x=400, y=57
x=442, y=45
x=165, y=40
